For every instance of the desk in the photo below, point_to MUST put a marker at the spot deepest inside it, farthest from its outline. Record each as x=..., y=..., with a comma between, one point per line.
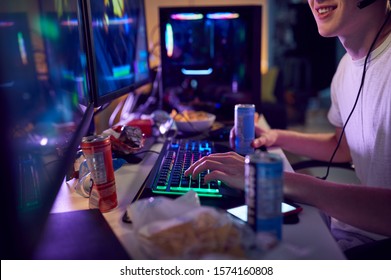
x=310, y=236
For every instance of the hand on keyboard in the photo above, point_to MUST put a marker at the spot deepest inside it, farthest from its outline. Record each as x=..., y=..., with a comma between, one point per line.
x=178, y=156
x=226, y=167
x=206, y=173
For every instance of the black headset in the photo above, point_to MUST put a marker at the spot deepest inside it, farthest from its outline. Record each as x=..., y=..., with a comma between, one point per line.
x=364, y=3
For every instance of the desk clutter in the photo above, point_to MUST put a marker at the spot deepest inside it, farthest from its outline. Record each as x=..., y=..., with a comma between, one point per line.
x=172, y=219
x=182, y=228
x=161, y=232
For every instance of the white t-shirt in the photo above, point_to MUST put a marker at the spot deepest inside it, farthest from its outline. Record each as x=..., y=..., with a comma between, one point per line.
x=368, y=131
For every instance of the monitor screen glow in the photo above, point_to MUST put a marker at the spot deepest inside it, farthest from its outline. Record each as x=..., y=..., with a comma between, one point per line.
x=211, y=57
x=119, y=48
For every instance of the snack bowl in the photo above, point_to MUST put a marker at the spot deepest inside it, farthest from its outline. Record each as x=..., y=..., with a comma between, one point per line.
x=194, y=121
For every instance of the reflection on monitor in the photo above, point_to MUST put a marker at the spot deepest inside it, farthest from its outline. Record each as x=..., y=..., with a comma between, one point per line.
x=45, y=110
x=17, y=64
x=118, y=47
x=67, y=59
x=211, y=57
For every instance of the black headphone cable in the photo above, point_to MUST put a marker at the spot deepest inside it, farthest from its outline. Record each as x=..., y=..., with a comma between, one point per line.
x=358, y=95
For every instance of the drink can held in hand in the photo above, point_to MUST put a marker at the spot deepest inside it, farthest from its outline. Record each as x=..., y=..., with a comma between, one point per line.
x=244, y=128
x=264, y=192
x=97, y=151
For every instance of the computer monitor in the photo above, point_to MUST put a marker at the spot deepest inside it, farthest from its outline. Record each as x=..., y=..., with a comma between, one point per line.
x=17, y=63
x=67, y=60
x=117, y=47
x=211, y=57
x=45, y=110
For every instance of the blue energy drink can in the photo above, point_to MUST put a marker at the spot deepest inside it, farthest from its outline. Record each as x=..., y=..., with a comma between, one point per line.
x=264, y=192
x=244, y=128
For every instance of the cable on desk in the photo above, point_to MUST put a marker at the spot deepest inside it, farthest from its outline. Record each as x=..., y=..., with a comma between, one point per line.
x=147, y=151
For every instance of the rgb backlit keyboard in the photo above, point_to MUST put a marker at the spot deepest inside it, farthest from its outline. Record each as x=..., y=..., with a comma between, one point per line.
x=176, y=156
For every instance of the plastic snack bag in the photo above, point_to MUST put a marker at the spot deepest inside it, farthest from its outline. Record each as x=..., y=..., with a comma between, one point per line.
x=183, y=229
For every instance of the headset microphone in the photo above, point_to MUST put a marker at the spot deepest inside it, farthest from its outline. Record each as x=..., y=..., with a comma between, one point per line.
x=364, y=3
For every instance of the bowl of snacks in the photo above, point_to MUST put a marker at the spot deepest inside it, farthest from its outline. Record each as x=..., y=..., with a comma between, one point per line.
x=193, y=121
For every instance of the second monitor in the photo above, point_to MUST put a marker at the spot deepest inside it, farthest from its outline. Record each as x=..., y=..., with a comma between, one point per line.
x=118, y=48
x=211, y=58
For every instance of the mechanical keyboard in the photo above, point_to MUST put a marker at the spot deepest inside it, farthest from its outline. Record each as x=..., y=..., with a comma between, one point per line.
x=179, y=155
x=167, y=176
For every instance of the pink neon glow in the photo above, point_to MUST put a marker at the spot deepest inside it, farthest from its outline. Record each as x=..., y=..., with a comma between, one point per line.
x=187, y=16
x=222, y=16
x=6, y=23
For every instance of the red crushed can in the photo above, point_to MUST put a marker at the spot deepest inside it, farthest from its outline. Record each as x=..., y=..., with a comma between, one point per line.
x=97, y=151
